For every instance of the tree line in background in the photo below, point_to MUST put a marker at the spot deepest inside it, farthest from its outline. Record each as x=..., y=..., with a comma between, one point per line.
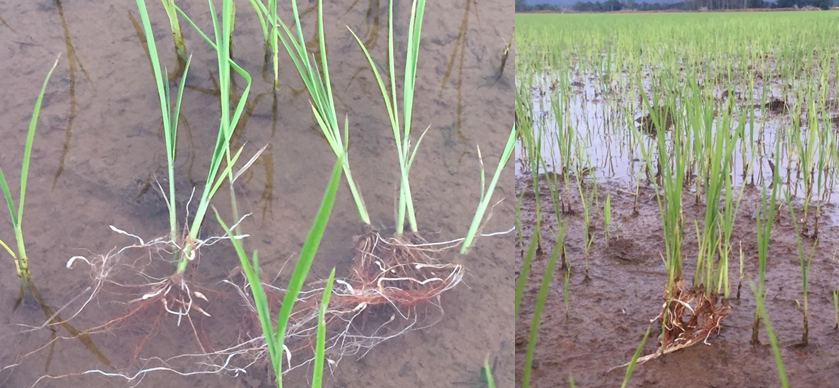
x=687, y=5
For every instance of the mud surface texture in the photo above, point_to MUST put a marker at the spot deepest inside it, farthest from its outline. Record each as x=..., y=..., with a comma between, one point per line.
x=609, y=314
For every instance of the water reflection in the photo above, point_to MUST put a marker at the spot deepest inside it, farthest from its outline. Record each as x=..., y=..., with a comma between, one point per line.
x=73, y=61
x=53, y=320
x=458, y=53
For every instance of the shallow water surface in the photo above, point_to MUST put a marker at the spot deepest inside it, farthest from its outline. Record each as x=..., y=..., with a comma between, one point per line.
x=99, y=153
x=606, y=316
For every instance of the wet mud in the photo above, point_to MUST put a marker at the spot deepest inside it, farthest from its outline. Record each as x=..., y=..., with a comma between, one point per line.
x=609, y=313
x=99, y=151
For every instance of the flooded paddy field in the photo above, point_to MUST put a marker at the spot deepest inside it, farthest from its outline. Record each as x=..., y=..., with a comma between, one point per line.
x=676, y=176
x=99, y=166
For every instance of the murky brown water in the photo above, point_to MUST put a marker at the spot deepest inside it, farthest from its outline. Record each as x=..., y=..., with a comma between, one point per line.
x=98, y=145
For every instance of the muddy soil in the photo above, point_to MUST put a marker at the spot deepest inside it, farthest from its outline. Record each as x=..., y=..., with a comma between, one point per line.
x=609, y=313
x=98, y=149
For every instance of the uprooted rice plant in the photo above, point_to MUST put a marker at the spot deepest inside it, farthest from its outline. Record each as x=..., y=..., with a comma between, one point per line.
x=673, y=159
x=156, y=294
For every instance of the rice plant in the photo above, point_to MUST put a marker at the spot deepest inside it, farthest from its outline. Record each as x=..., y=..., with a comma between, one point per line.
x=486, y=191
x=566, y=293
x=587, y=197
x=531, y=147
x=547, y=278
x=168, y=114
x=317, y=82
x=635, y=357
x=607, y=216
x=804, y=261
x=773, y=340
x=835, y=309
x=177, y=35
x=269, y=22
x=228, y=120
x=670, y=200
x=764, y=220
x=490, y=380
x=405, y=150
x=182, y=241
x=275, y=335
x=527, y=260
x=19, y=255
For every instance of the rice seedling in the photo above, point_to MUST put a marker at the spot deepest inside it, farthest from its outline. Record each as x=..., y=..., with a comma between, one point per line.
x=168, y=114
x=317, y=82
x=728, y=216
x=587, y=197
x=806, y=150
x=764, y=219
x=177, y=35
x=402, y=135
x=540, y=303
x=681, y=323
x=742, y=273
x=484, y=376
x=773, y=340
x=556, y=196
x=486, y=191
x=532, y=151
x=714, y=239
x=269, y=22
x=635, y=357
x=836, y=309
x=804, y=261
x=670, y=200
x=175, y=294
x=490, y=380
x=607, y=216
x=521, y=282
x=19, y=255
x=221, y=153
x=565, y=292
x=275, y=335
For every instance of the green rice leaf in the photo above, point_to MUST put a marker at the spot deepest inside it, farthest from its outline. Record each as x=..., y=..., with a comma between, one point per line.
x=307, y=254
x=27, y=151
x=484, y=202
x=320, y=343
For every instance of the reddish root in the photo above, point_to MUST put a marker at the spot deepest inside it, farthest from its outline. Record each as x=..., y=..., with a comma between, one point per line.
x=689, y=316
